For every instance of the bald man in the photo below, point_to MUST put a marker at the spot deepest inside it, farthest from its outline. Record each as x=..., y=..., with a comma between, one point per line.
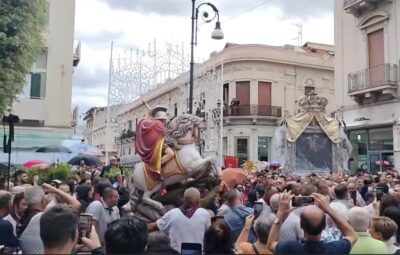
x=186, y=224
x=312, y=221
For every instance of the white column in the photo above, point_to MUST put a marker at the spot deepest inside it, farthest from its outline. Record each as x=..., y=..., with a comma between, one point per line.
x=254, y=92
x=253, y=140
x=396, y=145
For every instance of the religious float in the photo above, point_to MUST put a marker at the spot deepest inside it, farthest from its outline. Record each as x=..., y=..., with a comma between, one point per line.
x=170, y=163
x=311, y=141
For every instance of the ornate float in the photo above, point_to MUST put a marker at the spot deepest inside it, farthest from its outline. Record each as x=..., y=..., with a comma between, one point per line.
x=313, y=142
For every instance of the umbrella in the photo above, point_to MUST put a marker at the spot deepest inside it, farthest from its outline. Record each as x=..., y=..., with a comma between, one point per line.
x=88, y=159
x=36, y=163
x=54, y=148
x=384, y=162
x=233, y=176
x=86, y=149
x=130, y=160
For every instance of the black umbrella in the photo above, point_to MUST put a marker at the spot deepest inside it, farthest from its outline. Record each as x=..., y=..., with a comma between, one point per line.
x=54, y=149
x=89, y=160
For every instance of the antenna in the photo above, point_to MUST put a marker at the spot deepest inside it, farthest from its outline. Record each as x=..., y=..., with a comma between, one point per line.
x=299, y=37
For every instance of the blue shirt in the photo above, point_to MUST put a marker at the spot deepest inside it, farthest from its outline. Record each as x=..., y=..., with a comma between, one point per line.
x=342, y=246
x=7, y=237
x=235, y=219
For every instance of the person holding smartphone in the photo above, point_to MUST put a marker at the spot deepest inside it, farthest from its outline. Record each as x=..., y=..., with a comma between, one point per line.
x=262, y=226
x=59, y=232
x=312, y=221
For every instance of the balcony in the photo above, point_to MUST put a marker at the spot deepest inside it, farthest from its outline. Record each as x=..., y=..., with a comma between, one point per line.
x=253, y=110
x=127, y=134
x=355, y=7
x=380, y=81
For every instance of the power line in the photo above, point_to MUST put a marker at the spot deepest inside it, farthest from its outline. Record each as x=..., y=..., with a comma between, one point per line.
x=246, y=11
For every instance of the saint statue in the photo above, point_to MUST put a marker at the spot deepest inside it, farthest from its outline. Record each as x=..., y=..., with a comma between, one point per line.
x=149, y=142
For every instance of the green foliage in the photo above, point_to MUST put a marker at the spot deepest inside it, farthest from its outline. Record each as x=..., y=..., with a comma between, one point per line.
x=112, y=174
x=21, y=41
x=60, y=172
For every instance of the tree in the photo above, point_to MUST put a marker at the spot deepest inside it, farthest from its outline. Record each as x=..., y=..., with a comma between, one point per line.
x=21, y=41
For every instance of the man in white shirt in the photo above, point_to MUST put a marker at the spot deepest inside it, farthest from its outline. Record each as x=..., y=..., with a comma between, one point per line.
x=186, y=224
x=104, y=211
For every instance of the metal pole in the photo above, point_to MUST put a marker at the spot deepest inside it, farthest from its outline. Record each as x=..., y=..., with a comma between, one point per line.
x=192, y=59
x=108, y=126
x=222, y=115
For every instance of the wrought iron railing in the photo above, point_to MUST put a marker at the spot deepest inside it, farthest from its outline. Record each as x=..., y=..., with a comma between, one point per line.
x=253, y=110
x=127, y=134
x=373, y=77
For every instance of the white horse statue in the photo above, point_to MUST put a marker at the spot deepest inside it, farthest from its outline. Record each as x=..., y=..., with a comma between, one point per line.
x=181, y=135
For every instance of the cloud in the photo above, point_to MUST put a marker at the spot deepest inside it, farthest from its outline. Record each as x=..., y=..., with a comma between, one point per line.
x=133, y=24
x=163, y=7
x=294, y=8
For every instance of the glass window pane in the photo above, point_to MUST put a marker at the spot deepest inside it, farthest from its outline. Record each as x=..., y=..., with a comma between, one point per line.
x=263, y=148
x=41, y=61
x=225, y=146
x=381, y=139
x=35, y=85
x=241, y=149
x=359, y=140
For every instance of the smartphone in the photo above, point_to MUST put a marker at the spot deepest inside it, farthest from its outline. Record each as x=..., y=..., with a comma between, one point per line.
x=379, y=193
x=191, y=249
x=302, y=201
x=85, y=225
x=258, y=207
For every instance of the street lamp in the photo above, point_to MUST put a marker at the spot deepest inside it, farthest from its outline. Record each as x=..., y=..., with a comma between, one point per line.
x=217, y=34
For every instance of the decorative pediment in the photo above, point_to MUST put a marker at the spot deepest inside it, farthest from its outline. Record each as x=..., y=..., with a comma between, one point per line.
x=373, y=19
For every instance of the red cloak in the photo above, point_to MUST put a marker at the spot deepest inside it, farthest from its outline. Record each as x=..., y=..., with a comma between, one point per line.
x=148, y=133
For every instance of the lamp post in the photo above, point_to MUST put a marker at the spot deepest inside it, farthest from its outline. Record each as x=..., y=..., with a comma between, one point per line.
x=217, y=34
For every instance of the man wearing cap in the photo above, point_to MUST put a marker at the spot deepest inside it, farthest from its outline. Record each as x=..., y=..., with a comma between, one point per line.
x=149, y=142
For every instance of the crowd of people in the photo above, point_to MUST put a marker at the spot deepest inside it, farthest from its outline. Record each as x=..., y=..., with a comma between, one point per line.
x=269, y=213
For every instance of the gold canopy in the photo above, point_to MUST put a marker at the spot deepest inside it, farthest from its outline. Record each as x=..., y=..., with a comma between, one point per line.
x=312, y=107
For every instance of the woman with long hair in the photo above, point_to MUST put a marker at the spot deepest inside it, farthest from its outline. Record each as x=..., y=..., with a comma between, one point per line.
x=218, y=239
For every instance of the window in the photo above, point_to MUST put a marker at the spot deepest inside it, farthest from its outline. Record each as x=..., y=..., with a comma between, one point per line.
x=224, y=145
x=243, y=92
x=129, y=125
x=242, y=150
x=36, y=80
x=376, y=49
x=176, y=110
x=37, y=84
x=308, y=89
x=264, y=93
x=359, y=141
x=263, y=148
x=381, y=139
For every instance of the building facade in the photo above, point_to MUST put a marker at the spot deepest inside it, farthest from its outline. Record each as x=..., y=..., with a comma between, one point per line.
x=44, y=107
x=257, y=85
x=367, y=79
x=96, y=129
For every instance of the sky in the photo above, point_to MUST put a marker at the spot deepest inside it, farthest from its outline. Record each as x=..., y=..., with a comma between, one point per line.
x=133, y=24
